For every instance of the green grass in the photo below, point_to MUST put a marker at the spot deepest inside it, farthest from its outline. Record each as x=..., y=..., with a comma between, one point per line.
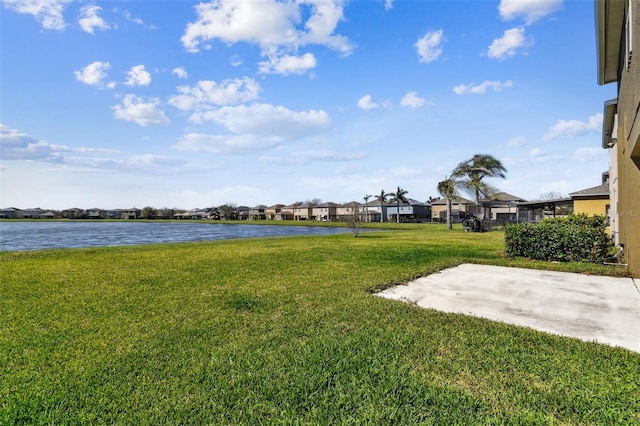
x=286, y=331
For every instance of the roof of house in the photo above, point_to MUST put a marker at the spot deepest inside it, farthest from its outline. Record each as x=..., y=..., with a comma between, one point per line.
x=600, y=190
x=504, y=196
x=454, y=200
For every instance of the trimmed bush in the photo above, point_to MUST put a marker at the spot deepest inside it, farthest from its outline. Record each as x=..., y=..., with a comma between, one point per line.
x=575, y=238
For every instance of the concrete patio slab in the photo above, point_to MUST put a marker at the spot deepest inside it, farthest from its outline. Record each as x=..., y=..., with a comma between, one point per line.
x=587, y=307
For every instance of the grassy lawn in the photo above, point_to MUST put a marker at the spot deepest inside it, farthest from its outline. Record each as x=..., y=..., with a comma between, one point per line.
x=286, y=331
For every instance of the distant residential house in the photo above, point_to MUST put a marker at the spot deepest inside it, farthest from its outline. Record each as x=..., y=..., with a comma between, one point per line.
x=414, y=210
x=303, y=212
x=617, y=31
x=459, y=207
x=213, y=213
x=11, y=213
x=74, y=213
x=130, y=213
x=375, y=210
x=193, y=214
x=96, y=214
x=32, y=213
x=243, y=212
x=592, y=201
x=284, y=213
x=271, y=211
x=324, y=212
x=114, y=214
x=258, y=212
x=47, y=215
x=346, y=210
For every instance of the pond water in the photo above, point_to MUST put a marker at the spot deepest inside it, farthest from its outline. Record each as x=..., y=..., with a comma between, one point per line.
x=20, y=236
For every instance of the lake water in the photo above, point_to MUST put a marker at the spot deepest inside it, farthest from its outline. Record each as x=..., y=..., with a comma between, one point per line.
x=19, y=236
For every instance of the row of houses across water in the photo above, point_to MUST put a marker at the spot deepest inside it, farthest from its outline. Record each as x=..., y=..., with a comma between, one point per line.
x=499, y=209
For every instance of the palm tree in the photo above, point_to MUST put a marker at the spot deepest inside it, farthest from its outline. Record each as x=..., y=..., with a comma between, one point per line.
x=366, y=206
x=448, y=189
x=471, y=174
x=382, y=198
x=474, y=170
x=399, y=197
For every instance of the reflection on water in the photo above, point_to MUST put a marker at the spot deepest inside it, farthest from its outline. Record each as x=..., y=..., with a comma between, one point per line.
x=16, y=236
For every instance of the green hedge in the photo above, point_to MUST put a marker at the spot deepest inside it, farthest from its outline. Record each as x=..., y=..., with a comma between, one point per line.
x=575, y=238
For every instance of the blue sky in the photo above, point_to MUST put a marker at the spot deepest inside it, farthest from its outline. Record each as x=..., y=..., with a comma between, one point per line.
x=184, y=104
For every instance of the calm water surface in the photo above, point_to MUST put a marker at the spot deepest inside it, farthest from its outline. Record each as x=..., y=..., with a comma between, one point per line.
x=18, y=236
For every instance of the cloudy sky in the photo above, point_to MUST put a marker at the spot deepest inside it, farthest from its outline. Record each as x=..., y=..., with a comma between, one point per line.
x=116, y=104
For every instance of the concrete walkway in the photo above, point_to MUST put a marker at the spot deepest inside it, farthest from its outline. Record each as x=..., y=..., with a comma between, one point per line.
x=590, y=308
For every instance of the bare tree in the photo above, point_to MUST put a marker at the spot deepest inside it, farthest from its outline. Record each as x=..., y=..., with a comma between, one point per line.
x=552, y=195
x=148, y=213
x=354, y=219
x=228, y=211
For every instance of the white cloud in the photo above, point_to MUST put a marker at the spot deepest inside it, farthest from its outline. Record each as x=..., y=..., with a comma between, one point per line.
x=304, y=157
x=224, y=144
x=412, y=100
x=288, y=64
x=367, y=104
x=429, y=46
x=508, y=45
x=257, y=127
x=136, y=109
x=564, y=129
x=234, y=21
x=89, y=19
x=516, y=142
x=236, y=61
x=129, y=17
x=94, y=73
x=47, y=12
x=537, y=153
x=138, y=76
x=388, y=4
x=180, y=72
x=269, y=121
x=479, y=89
x=530, y=10
x=15, y=145
x=207, y=94
x=589, y=153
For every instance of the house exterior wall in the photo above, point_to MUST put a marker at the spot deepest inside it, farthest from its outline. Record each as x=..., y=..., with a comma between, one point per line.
x=11, y=213
x=628, y=147
x=614, y=223
x=302, y=213
x=591, y=206
x=436, y=211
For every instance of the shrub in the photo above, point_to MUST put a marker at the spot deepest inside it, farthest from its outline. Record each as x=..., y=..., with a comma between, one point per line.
x=575, y=238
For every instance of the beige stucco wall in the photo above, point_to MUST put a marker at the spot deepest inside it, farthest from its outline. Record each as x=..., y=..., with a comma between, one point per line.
x=436, y=209
x=628, y=151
